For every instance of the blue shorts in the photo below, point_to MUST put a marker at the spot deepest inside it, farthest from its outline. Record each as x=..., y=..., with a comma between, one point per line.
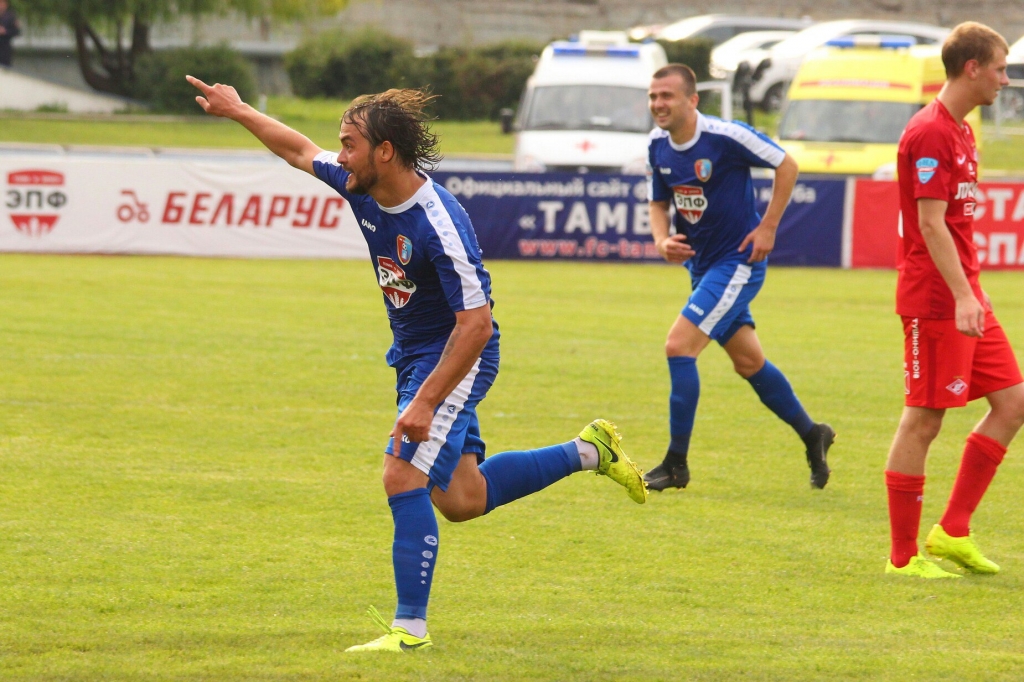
x=455, y=430
x=720, y=302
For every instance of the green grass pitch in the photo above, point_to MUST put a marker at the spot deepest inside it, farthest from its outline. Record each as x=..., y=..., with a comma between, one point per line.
x=190, y=453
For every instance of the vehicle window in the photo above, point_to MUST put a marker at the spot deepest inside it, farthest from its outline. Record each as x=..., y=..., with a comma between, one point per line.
x=717, y=34
x=589, y=107
x=814, y=120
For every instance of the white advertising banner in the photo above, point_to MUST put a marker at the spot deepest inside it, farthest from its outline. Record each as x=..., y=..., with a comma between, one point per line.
x=153, y=205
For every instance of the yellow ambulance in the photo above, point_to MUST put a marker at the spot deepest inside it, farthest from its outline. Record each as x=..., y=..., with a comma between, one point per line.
x=850, y=101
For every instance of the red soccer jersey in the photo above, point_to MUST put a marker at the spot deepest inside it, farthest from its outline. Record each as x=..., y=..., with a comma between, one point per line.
x=937, y=160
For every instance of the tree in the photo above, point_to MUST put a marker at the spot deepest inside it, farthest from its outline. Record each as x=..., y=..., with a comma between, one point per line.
x=111, y=35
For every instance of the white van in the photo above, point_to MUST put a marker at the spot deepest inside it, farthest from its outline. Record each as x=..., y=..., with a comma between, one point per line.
x=584, y=109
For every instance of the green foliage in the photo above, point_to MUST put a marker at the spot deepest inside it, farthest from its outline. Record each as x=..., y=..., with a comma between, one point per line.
x=70, y=11
x=473, y=83
x=343, y=64
x=694, y=52
x=477, y=83
x=160, y=76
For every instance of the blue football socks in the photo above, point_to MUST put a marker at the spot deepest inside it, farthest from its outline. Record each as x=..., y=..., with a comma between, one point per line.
x=511, y=475
x=774, y=390
x=682, y=405
x=414, y=552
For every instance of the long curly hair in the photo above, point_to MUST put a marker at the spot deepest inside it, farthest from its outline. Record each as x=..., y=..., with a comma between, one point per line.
x=399, y=117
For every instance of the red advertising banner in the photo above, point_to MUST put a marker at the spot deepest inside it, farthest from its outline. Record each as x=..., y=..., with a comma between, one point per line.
x=998, y=225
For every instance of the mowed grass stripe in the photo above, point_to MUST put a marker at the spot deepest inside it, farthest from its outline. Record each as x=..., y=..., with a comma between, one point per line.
x=189, y=485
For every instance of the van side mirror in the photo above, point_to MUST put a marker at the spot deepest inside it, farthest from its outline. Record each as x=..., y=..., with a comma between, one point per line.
x=506, y=115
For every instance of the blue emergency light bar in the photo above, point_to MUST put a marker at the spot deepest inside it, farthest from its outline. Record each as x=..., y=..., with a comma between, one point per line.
x=885, y=42
x=584, y=50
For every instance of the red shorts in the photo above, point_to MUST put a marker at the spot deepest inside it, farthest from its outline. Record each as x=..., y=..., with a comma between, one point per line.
x=944, y=368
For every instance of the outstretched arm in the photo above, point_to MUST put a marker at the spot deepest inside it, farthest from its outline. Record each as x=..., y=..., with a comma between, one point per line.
x=473, y=329
x=291, y=145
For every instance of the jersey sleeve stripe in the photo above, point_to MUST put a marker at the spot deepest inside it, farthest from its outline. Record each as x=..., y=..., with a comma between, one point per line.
x=473, y=295
x=757, y=144
x=327, y=157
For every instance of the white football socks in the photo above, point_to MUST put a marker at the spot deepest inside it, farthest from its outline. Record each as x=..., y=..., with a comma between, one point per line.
x=589, y=456
x=417, y=627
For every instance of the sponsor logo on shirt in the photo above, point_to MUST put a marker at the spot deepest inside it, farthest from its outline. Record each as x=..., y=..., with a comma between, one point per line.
x=915, y=347
x=404, y=246
x=957, y=387
x=368, y=225
x=926, y=168
x=392, y=281
x=702, y=167
x=690, y=202
x=665, y=171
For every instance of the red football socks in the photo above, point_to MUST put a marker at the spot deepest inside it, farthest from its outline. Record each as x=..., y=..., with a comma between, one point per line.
x=905, y=494
x=982, y=456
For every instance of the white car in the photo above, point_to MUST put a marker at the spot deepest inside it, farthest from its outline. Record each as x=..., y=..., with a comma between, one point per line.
x=1012, y=98
x=718, y=28
x=584, y=109
x=773, y=75
x=749, y=47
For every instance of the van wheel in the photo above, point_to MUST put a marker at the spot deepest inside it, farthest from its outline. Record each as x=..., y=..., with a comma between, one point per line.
x=773, y=98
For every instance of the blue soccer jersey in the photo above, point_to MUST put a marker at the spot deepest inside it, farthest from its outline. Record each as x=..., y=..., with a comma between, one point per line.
x=426, y=259
x=707, y=181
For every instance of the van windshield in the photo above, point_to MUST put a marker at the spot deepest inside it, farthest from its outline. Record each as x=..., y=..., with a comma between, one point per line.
x=823, y=120
x=589, y=107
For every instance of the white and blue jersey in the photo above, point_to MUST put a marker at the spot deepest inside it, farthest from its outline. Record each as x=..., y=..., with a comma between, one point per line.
x=428, y=265
x=426, y=259
x=707, y=182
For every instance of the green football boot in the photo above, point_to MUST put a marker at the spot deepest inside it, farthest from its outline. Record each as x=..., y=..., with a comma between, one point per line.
x=919, y=567
x=961, y=551
x=613, y=461
x=393, y=639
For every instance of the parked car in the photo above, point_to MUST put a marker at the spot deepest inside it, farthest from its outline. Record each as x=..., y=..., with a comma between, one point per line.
x=773, y=75
x=848, y=104
x=584, y=108
x=1012, y=98
x=750, y=47
x=717, y=27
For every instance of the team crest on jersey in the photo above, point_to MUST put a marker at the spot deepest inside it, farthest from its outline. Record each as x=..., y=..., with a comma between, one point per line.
x=702, y=167
x=690, y=202
x=404, y=249
x=392, y=281
x=926, y=169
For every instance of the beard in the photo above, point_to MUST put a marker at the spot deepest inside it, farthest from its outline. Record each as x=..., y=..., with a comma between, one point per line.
x=365, y=180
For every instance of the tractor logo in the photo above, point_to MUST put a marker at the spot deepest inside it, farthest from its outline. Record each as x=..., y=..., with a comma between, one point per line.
x=690, y=202
x=391, y=278
x=34, y=200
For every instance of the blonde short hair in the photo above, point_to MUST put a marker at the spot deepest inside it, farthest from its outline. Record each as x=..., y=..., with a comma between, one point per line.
x=970, y=40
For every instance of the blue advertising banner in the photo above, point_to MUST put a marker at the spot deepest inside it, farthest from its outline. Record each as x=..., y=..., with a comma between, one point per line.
x=605, y=217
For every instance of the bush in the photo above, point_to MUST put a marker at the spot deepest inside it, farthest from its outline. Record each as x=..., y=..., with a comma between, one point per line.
x=160, y=76
x=340, y=64
x=694, y=52
x=470, y=83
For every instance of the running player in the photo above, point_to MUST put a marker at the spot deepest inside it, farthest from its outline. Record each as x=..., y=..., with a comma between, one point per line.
x=445, y=353
x=699, y=169
x=954, y=349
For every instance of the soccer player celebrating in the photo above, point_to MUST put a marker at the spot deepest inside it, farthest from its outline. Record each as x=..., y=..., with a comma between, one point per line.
x=955, y=350
x=445, y=353
x=699, y=169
